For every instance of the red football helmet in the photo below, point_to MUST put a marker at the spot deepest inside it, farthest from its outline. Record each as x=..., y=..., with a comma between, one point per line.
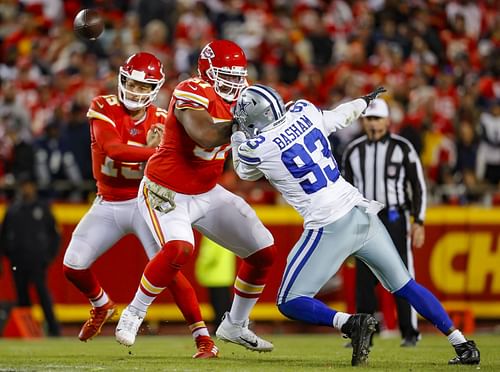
x=143, y=68
x=223, y=64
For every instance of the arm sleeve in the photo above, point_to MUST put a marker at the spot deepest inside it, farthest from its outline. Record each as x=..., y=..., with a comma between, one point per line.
x=416, y=178
x=343, y=115
x=109, y=140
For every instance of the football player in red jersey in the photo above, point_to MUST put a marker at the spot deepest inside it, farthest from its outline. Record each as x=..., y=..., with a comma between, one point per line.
x=180, y=191
x=125, y=131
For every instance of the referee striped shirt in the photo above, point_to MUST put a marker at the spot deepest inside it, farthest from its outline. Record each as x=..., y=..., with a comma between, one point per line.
x=389, y=171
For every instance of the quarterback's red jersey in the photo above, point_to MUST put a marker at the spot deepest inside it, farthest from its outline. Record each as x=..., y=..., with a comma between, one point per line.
x=180, y=164
x=118, y=146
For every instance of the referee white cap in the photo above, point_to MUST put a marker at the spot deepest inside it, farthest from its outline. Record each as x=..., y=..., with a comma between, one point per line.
x=378, y=108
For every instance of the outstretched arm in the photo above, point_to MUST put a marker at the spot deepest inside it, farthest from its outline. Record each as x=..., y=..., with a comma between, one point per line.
x=345, y=114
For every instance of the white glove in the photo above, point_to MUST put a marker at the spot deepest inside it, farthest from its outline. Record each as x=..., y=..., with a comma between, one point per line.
x=237, y=138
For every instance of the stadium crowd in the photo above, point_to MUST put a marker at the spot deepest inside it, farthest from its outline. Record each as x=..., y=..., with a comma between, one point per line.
x=439, y=60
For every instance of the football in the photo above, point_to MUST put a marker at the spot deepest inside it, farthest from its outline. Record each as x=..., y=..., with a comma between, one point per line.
x=88, y=24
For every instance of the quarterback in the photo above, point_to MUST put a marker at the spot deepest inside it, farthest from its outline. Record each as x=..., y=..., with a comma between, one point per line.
x=125, y=131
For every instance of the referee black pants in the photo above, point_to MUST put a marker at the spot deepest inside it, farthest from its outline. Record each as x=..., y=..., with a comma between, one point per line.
x=366, y=300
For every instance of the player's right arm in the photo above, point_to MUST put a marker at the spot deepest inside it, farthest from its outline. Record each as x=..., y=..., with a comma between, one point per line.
x=108, y=137
x=191, y=110
x=245, y=162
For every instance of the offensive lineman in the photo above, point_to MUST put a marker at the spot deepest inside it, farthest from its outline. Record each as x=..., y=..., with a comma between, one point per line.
x=292, y=151
x=125, y=131
x=180, y=190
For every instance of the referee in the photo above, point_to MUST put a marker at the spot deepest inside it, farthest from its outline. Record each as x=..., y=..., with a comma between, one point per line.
x=386, y=167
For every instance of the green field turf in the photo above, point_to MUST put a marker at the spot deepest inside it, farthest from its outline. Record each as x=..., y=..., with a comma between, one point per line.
x=313, y=352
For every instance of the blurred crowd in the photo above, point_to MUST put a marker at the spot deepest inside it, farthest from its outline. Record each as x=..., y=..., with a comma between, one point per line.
x=439, y=60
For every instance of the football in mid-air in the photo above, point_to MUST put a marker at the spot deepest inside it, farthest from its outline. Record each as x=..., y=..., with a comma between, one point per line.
x=88, y=24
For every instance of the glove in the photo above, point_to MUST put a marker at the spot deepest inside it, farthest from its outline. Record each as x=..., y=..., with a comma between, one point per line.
x=237, y=138
x=371, y=96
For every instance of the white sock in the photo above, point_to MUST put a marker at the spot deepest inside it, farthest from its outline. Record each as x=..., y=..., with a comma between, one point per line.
x=241, y=308
x=456, y=337
x=340, y=319
x=203, y=331
x=100, y=300
x=141, y=302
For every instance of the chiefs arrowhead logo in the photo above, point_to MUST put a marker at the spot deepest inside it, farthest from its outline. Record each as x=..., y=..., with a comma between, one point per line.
x=207, y=53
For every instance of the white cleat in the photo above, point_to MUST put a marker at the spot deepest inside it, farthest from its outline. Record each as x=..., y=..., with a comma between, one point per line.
x=127, y=327
x=241, y=335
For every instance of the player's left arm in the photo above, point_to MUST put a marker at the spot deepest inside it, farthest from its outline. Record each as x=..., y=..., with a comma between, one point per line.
x=200, y=126
x=244, y=161
x=343, y=115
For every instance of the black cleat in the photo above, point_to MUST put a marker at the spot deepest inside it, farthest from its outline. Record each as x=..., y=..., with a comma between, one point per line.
x=360, y=328
x=467, y=353
x=409, y=341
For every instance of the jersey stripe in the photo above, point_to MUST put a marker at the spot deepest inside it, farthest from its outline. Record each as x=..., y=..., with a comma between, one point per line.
x=92, y=114
x=248, y=160
x=154, y=218
x=299, y=261
x=181, y=94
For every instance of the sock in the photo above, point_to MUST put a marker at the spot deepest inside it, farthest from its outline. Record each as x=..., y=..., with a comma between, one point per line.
x=456, y=337
x=100, y=300
x=160, y=272
x=185, y=298
x=144, y=297
x=309, y=310
x=250, y=282
x=85, y=281
x=426, y=304
x=199, y=329
x=241, y=308
x=340, y=319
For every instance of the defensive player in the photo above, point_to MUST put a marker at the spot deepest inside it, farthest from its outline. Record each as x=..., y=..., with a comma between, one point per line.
x=125, y=131
x=180, y=190
x=292, y=151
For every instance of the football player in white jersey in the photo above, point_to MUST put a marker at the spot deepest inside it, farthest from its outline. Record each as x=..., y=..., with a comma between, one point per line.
x=291, y=149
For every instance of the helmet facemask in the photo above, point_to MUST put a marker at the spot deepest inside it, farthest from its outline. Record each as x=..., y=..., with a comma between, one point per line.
x=140, y=99
x=228, y=82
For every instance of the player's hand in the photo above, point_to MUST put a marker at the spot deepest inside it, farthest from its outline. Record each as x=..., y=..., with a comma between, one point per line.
x=154, y=135
x=372, y=95
x=417, y=235
x=237, y=138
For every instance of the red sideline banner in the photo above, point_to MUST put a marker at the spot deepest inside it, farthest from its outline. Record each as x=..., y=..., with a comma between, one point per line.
x=460, y=263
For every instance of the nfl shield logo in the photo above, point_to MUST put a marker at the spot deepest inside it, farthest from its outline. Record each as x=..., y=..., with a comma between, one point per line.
x=133, y=132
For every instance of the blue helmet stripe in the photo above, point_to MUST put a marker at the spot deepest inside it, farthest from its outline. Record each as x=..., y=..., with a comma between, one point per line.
x=273, y=94
x=271, y=100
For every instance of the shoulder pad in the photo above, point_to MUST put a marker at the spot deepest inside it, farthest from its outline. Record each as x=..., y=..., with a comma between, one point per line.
x=194, y=90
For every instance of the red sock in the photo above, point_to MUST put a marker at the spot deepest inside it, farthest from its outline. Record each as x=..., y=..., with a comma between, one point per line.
x=163, y=267
x=84, y=280
x=185, y=298
x=253, y=273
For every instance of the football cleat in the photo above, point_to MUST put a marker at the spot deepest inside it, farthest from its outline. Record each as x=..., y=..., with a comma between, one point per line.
x=360, y=328
x=127, y=327
x=98, y=316
x=241, y=335
x=206, y=348
x=467, y=353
